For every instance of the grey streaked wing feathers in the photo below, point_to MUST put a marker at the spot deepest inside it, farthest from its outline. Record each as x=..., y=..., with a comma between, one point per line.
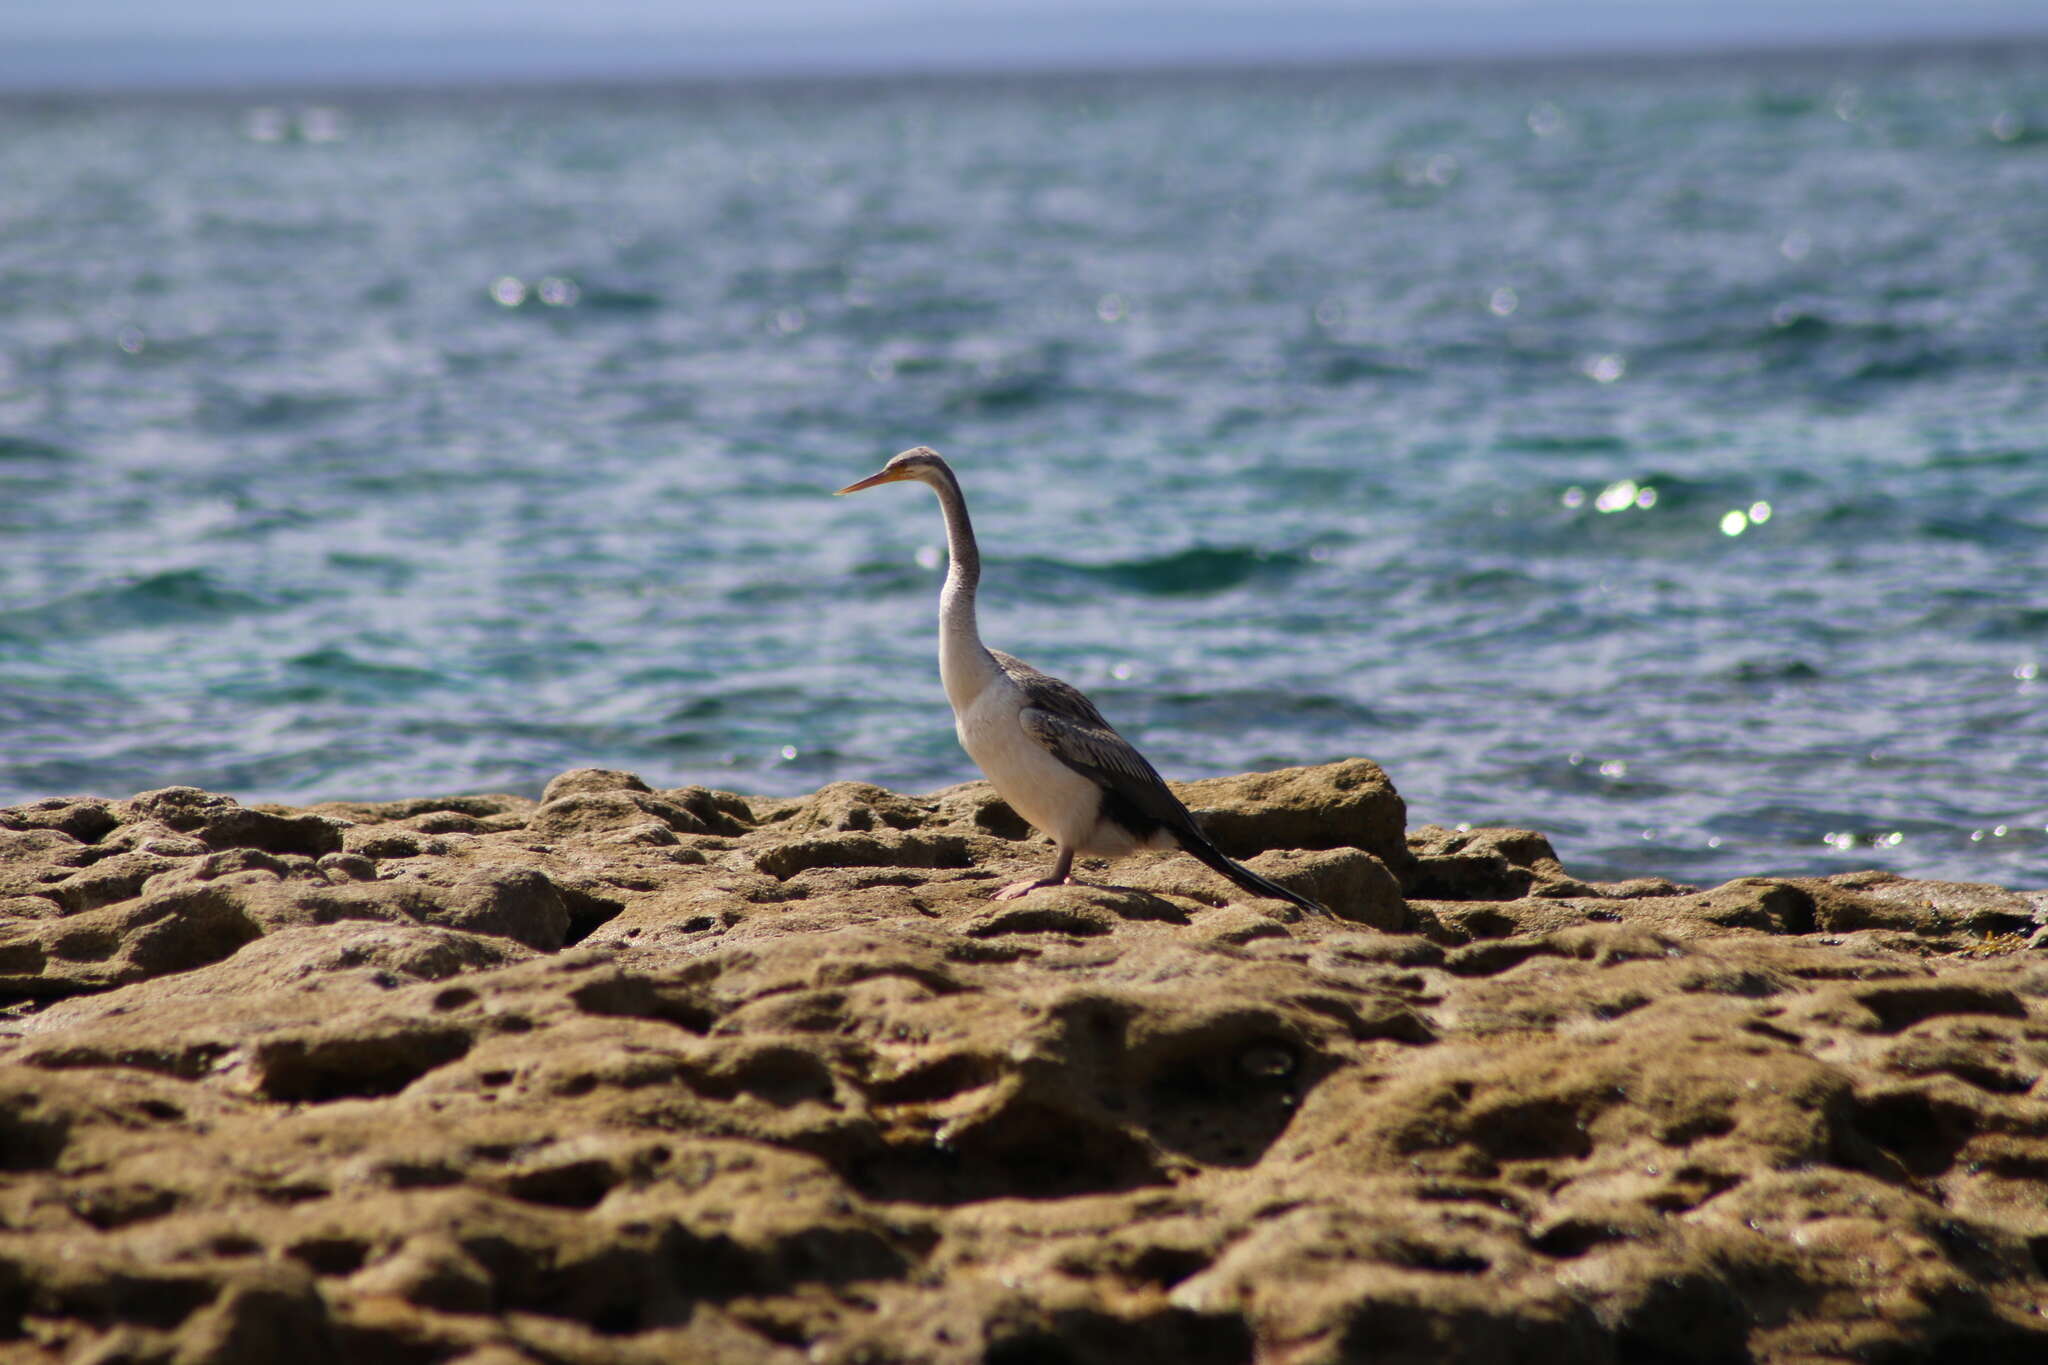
x=1060, y=717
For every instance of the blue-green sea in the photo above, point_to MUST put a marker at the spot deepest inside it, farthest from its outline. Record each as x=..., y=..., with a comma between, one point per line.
x=1654, y=453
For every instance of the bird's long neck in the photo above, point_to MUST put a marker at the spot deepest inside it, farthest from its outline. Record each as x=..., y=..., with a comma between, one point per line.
x=964, y=663
x=963, y=566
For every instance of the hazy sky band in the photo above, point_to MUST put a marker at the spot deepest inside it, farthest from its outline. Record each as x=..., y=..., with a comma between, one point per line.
x=93, y=43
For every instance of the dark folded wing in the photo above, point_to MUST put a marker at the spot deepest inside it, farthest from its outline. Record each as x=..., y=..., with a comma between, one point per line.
x=1060, y=717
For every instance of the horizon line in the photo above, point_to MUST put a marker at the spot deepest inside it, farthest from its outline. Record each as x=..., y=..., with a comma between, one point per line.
x=729, y=68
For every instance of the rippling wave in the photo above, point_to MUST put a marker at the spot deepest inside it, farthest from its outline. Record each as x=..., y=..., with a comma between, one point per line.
x=1197, y=570
x=174, y=598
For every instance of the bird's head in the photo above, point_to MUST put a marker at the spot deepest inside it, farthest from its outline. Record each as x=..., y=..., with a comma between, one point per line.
x=921, y=463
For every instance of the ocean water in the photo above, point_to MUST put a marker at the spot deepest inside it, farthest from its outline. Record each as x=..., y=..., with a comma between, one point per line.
x=1655, y=454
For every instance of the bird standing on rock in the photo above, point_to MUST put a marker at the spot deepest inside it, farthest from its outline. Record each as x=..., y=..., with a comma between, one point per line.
x=1041, y=743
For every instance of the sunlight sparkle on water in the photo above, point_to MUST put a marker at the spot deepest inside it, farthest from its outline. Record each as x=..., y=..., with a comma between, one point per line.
x=1848, y=839
x=1735, y=520
x=1603, y=369
x=1619, y=496
x=1733, y=523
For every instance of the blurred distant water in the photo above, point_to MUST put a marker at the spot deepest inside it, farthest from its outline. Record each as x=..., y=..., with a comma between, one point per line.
x=1653, y=454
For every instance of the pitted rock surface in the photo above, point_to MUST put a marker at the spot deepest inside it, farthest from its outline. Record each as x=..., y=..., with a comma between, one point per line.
x=639, y=1075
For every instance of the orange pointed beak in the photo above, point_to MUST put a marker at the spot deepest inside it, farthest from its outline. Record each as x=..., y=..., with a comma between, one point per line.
x=886, y=476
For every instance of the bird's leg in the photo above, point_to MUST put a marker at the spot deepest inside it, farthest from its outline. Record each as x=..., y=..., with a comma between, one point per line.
x=1057, y=877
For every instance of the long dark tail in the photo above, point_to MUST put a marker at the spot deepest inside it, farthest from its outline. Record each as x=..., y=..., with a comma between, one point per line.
x=1212, y=857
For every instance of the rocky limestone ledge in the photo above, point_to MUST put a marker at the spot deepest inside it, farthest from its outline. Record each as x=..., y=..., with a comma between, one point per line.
x=636, y=1075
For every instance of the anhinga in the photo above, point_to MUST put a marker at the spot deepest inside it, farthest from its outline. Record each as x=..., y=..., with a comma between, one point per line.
x=1042, y=744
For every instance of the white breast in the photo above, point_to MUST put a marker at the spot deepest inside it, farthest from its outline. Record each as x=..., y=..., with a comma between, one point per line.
x=1053, y=797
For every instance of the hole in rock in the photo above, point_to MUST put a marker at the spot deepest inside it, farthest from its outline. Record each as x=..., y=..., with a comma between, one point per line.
x=1224, y=1103
x=1997, y=1080
x=420, y=1175
x=637, y=997
x=1027, y=1152
x=1693, y=1127
x=1083, y=1337
x=1168, y=1266
x=1690, y=1318
x=2037, y=1247
x=1574, y=1237
x=783, y=1076
x=1901, y=1006
x=1538, y=1130
x=1040, y=920
x=315, y=1070
x=616, y=1320
x=588, y=912
x=107, y=1208
x=127, y=1297
x=618, y=1290
x=1447, y=1260
x=572, y=1185
x=330, y=1255
x=1923, y=1133
x=940, y=1080
x=1764, y=1029
x=31, y=1142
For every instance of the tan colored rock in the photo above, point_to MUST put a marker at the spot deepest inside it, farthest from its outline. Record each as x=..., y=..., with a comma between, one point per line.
x=86, y=819
x=647, y=1076
x=975, y=805
x=1338, y=805
x=584, y=813
x=1486, y=864
x=856, y=806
